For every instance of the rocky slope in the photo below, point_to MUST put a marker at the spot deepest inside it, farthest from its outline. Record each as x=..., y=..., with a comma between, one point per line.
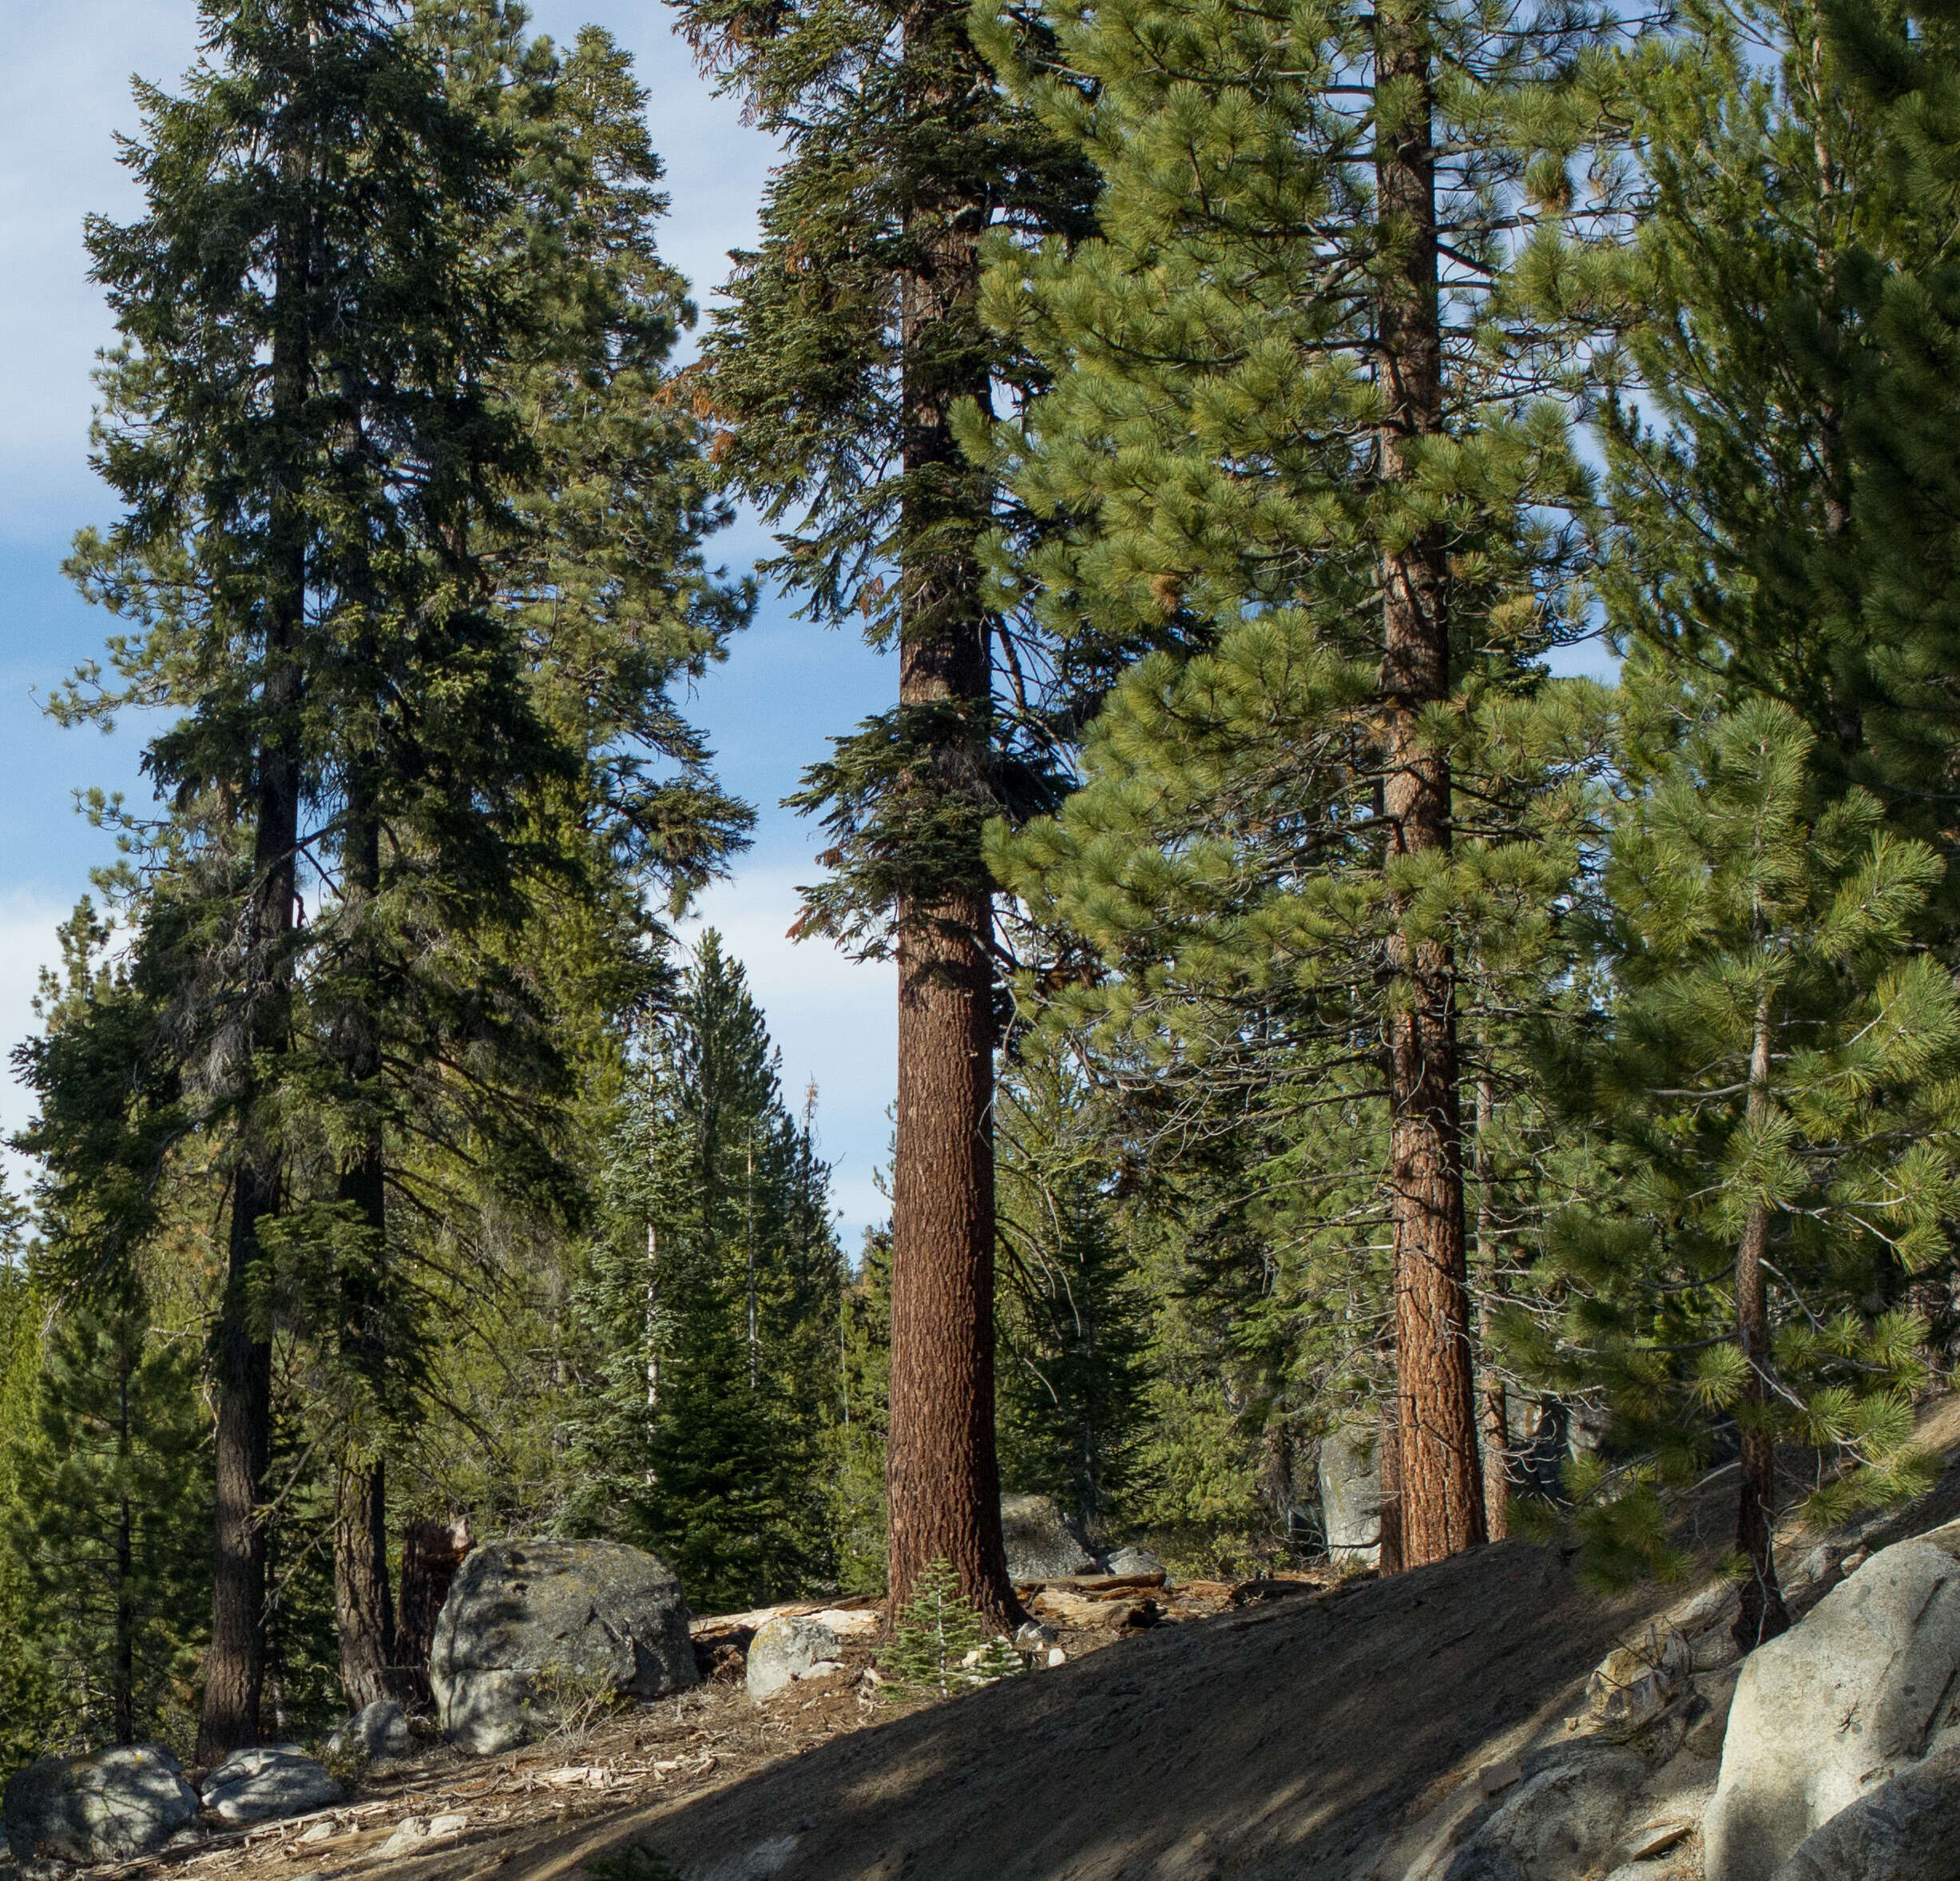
x=1436, y=1727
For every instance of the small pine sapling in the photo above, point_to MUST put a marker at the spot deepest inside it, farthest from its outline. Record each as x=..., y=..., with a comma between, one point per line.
x=940, y=1647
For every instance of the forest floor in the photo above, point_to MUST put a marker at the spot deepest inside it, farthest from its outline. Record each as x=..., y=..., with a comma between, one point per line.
x=1274, y=1731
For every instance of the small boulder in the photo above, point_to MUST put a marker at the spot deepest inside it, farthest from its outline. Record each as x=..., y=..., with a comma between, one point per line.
x=1134, y=1561
x=533, y=1630
x=417, y=1833
x=376, y=1731
x=1634, y=1684
x=785, y=1649
x=1905, y=1829
x=1041, y=1543
x=1351, y=1494
x=1557, y=1824
x=110, y=1807
x=270, y=1781
x=1861, y=1689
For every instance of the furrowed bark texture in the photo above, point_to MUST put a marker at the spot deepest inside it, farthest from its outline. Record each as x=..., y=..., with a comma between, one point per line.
x=431, y=1552
x=235, y=1666
x=942, y=1476
x=364, y=1610
x=1442, y=1496
x=1762, y=1615
x=1493, y=1410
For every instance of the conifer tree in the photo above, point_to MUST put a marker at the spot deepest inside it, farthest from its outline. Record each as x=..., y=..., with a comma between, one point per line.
x=707, y=1314
x=1074, y=1374
x=1305, y=428
x=1775, y=1089
x=109, y=1497
x=851, y=342
x=342, y=357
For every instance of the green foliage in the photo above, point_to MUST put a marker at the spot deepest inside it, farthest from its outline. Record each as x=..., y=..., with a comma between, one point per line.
x=939, y=1646
x=1739, y=912
x=105, y=1520
x=1071, y=1321
x=709, y=1313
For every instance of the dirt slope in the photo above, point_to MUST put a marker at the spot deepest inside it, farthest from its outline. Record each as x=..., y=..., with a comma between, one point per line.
x=1287, y=1740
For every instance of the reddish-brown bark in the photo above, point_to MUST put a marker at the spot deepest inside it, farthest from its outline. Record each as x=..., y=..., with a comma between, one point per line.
x=1442, y=1502
x=942, y=1477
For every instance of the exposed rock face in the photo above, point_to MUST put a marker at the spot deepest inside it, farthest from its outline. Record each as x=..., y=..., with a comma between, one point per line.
x=1905, y=1829
x=532, y=1631
x=273, y=1780
x=785, y=1650
x=1132, y=1561
x=1857, y=1692
x=1040, y=1543
x=1351, y=1494
x=1635, y=1683
x=377, y=1731
x=107, y=1807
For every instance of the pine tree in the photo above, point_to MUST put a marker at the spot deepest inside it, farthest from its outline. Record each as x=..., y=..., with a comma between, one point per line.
x=1073, y=1372
x=1308, y=425
x=708, y=1312
x=109, y=1495
x=852, y=343
x=314, y=551
x=1774, y=1090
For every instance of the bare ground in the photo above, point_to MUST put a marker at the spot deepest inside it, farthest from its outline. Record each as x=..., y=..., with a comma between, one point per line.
x=1286, y=1739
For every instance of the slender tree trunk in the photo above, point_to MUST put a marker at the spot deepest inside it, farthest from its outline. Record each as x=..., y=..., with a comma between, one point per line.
x=942, y=1476
x=1763, y=1614
x=363, y=1608
x=1442, y=1502
x=123, y=1698
x=1493, y=1413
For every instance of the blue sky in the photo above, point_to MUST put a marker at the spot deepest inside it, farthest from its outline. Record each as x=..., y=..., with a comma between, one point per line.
x=785, y=689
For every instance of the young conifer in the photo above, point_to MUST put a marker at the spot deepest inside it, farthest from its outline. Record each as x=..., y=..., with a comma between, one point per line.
x=1774, y=1095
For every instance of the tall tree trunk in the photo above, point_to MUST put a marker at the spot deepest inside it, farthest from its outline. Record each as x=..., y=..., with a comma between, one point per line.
x=235, y=1666
x=942, y=1475
x=431, y=1552
x=1493, y=1413
x=123, y=1698
x=1763, y=1614
x=1443, y=1505
x=363, y=1609
x=1388, y=1465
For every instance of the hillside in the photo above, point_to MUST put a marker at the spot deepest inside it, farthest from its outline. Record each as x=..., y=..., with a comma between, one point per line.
x=1300, y=1737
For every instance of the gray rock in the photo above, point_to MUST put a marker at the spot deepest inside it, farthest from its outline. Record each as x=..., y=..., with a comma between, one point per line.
x=376, y=1731
x=1707, y=1717
x=1857, y=1692
x=1351, y=1494
x=1905, y=1829
x=272, y=1780
x=533, y=1633
x=1042, y=1544
x=109, y=1807
x=1132, y=1561
x=1556, y=1825
x=783, y=1650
